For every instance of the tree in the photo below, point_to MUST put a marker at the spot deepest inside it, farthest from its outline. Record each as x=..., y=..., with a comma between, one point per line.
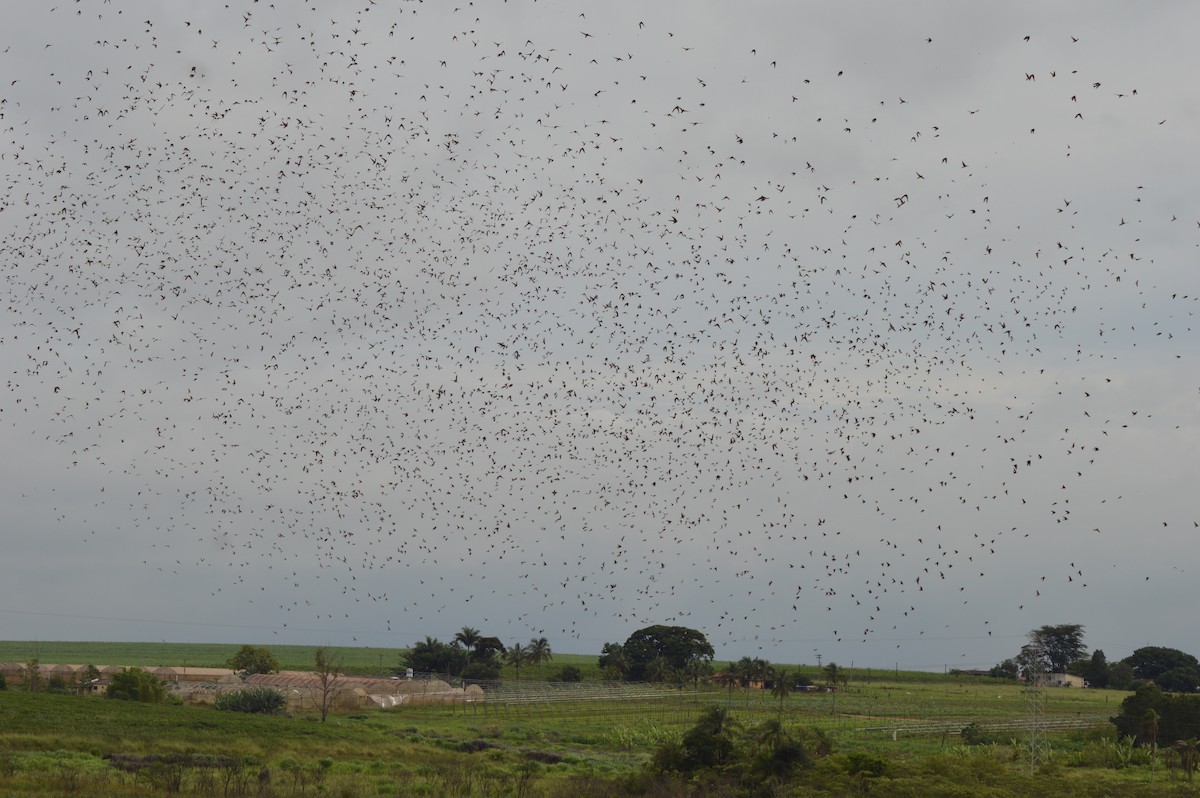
x=89, y=676
x=328, y=668
x=1005, y=670
x=1153, y=661
x=729, y=677
x=487, y=648
x=517, y=656
x=697, y=669
x=1180, y=680
x=1178, y=716
x=483, y=660
x=1059, y=645
x=1120, y=676
x=708, y=744
x=658, y=670
x=433, y=656
x=781, y=685
x=539, y=651
x=467, y=637
x=835, y=676
x=135, y=684
x=613, y=661
x=33, y=675
x=250, y=660
x=676, y=644
x=1097, y=673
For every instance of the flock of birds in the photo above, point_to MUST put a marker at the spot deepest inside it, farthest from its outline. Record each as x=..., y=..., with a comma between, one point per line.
x=535, y=316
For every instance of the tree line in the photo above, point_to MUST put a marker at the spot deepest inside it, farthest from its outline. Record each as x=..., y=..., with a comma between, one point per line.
x=1061, y=649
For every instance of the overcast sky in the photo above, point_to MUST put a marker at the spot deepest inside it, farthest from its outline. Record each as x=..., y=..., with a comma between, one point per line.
x=861, y=330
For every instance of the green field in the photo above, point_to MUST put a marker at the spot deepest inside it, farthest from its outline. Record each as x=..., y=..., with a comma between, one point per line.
x=357, y=660
x=364, y=661
x=890, y=737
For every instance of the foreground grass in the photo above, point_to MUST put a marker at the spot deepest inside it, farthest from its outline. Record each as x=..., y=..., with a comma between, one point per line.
x=54, y=745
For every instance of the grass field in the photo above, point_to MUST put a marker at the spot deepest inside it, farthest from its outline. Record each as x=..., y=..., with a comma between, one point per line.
x=907, y=731
x=357, y=660
x=215, y=655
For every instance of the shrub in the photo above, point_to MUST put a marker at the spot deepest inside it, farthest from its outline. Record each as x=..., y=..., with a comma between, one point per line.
x=135, y=684
x=252, y=700
x=570, y=673
x=974, y=734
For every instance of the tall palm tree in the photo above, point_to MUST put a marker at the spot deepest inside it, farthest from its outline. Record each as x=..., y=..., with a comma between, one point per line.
x=538, y=651
x=467, y=637
x=728, y=678
x=835, y=677
x=517, y=656
x=781, y=685
x=697, y=669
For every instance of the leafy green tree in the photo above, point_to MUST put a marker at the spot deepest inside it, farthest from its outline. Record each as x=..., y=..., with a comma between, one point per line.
x=613, y=661
x=433, y=656
x=677, y=644
x=1097, y=673
x=1180, y=680
x=1151, y=662
x=250, y=660
x=1120, y=676
x=487, y=648
x=658, y=670
x=1005, y=670
x=1060, y=645
x=135, y=684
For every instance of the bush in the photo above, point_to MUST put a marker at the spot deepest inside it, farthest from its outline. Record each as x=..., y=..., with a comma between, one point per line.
x=483, y=670
x=252, y=700
x=135, y=684
x=3, y=683
x=570, y=673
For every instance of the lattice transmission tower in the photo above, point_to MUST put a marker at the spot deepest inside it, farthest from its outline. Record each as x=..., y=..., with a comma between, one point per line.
x=1035, y=703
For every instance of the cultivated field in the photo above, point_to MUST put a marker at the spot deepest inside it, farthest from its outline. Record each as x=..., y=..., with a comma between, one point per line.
x=544, y=739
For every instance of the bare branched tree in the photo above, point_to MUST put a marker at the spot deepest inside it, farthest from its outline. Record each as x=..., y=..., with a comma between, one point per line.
x=328, y=669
